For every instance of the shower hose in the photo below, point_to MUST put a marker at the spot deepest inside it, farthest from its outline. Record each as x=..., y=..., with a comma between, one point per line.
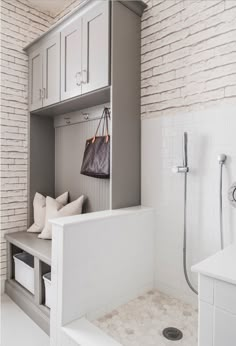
x=221, y=207
x=185, y=222
x=185, y=236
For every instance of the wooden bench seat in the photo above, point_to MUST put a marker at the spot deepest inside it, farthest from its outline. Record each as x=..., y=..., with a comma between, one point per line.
x=30, y=243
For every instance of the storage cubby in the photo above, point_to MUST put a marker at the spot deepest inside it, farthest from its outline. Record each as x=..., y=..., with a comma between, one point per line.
x=12, y=251
x=40, y=251
x=43, y=269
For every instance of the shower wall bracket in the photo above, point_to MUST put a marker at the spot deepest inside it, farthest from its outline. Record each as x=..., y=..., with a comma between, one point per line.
x=180, y=169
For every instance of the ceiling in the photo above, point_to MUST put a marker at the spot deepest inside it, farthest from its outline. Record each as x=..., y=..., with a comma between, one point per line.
x=52, y=6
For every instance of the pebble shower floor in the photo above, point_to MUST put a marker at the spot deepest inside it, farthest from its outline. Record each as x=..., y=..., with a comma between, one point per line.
x=141, y=321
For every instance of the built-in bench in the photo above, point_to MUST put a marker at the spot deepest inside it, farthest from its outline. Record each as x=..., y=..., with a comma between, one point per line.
x=40, y=249
x=30, y=243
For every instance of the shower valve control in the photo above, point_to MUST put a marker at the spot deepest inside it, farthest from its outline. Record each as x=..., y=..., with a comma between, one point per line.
x=232, y=195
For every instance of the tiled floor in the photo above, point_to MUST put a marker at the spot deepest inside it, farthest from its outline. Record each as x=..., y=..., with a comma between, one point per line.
x=138, y=323
x=141, y=321
x=17, y=329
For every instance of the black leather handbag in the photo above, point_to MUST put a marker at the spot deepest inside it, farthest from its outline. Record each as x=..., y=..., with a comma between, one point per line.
x=96, y=160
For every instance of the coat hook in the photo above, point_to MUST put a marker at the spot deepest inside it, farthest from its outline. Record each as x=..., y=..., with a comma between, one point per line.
x=86, y=116
x=67, y=119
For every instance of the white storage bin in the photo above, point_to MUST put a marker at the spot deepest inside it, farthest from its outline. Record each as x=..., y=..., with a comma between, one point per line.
x=48, y=294
x=24, y=270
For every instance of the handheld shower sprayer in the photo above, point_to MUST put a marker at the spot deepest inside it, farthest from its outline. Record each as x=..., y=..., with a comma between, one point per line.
x=185, y=169
x=222, y=158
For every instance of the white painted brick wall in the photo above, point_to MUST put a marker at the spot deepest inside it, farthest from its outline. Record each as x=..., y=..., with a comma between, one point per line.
x=188, y=55
x=20, y=24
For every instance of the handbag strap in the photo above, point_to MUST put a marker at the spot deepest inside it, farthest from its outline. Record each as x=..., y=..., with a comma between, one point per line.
x=105, y=117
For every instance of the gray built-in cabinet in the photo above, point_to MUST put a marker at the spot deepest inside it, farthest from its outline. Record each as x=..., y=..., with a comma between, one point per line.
x=85, y=52
x=44, y=74
x=72, y=61
x=88, y=60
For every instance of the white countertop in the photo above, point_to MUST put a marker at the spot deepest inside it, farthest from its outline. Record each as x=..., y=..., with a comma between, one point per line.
x=221, y=266
x=68, y=220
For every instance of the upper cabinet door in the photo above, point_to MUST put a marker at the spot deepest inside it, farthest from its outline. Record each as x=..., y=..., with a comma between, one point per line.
x=95, y=50
x=71, y=53
x=51, y=71
x=36, y=79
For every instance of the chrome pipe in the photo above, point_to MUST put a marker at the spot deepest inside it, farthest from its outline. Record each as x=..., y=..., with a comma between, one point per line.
x=221, y=158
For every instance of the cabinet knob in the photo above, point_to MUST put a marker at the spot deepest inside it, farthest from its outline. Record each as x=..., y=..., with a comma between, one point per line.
x=78, y=81
x=84, y=77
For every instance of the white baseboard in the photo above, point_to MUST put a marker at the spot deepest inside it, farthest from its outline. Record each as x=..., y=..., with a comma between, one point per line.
x=187, y=297
x=2, y=288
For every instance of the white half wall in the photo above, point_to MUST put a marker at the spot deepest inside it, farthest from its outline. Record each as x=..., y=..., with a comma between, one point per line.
x=100, y=261
x=211, y=132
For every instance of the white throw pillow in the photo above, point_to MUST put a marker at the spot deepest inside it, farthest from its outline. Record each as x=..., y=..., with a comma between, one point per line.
x=39, y=205
x=55, y=209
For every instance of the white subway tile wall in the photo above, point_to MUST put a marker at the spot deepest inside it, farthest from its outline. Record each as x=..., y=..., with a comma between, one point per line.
x=210, y=132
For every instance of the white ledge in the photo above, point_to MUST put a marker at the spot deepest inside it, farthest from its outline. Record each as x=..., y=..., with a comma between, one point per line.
x=220, y=266
x=85, y=333
x=70, y=220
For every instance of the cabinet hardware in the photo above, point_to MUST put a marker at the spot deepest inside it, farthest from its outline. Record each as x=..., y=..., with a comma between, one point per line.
x=44, y=93
x=40, y=94
x=67, y=119
x=84, y=74
x=78, y=82
x=86, y=116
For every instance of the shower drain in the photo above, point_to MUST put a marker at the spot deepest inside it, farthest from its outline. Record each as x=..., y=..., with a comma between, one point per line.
x=172, y=334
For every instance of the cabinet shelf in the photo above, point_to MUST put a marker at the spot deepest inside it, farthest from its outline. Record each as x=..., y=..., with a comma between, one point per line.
x=91, y=99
